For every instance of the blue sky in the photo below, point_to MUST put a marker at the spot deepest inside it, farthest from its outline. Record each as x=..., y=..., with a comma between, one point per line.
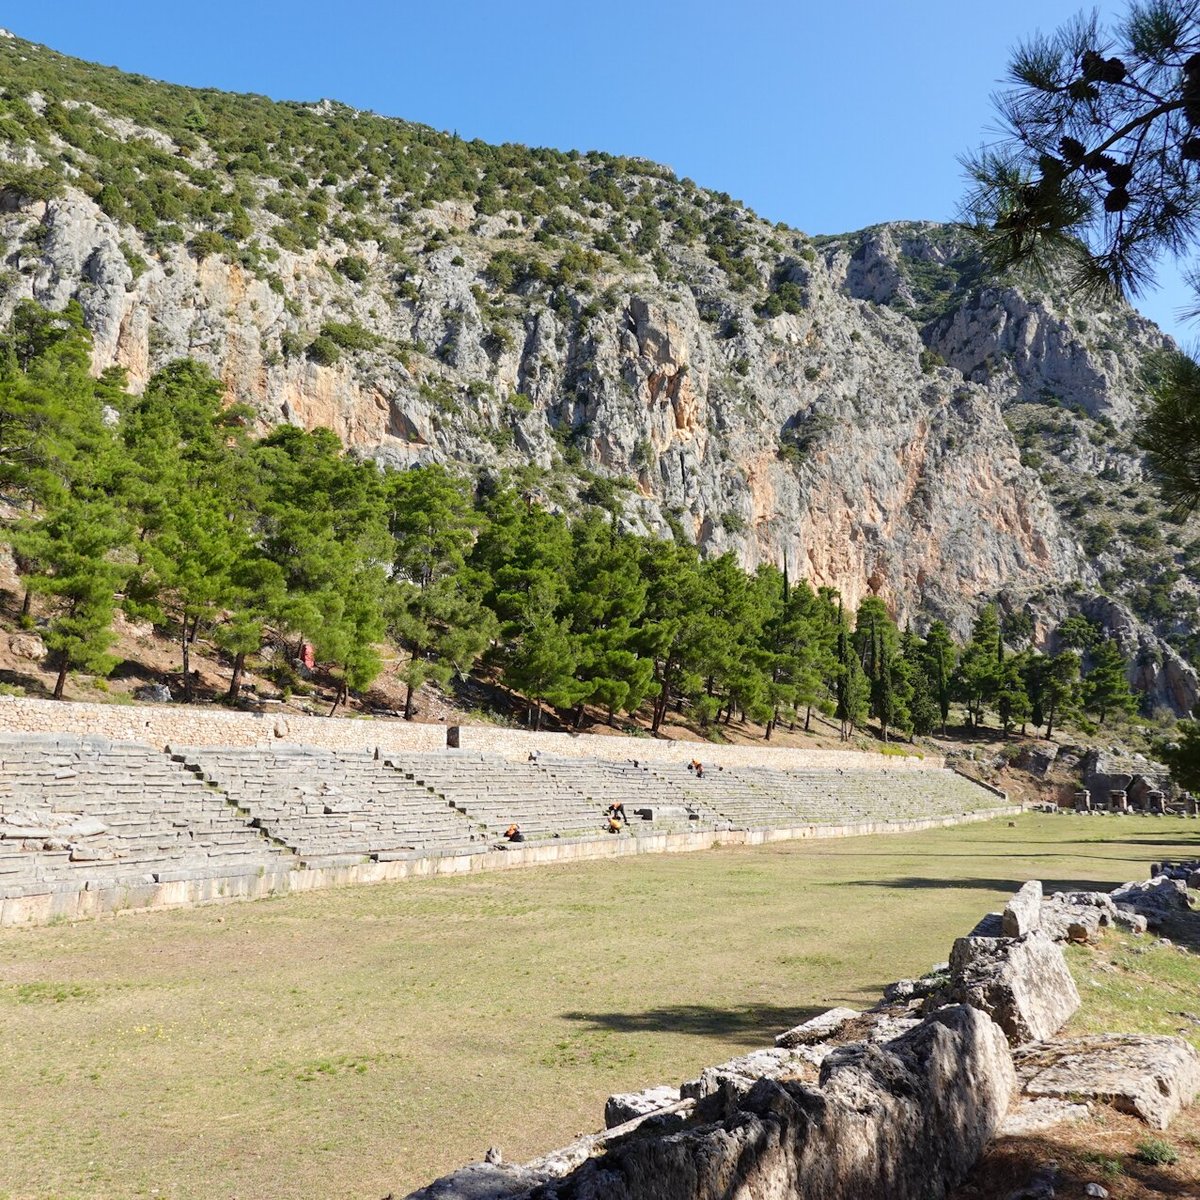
x=829, y=116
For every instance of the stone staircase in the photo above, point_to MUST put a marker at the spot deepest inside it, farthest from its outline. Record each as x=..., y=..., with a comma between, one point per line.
x=333, y=808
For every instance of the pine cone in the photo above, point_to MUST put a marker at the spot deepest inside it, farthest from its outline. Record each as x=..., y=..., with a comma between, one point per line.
x=1113, y=71
x=1099, y=162
x=1072, y=150
x=1119, y=174
x=1092, y=66
x=1191, y=99
x=1116, y=201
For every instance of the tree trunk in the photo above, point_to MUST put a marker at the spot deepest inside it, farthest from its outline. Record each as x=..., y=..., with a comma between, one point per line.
x=61, y=682
x=408, y=702
x=338, y=697
x=578, y=716
x=26, y=603
x=767, y=734
x=807, y=718
x=186, y=646
x=611, y=722
x=235, y=683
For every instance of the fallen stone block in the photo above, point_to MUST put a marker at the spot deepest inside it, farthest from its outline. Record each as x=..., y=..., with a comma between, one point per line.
x=1152, y=1077
x=1131, y=922
x=907, y=1121
x=1023, y=984
x=1077, y=916
x=1036, y=1116
x=721, y=1088
x=625, y=1106
x=1023, y=913
x=817, y=1029
x=1156, y=899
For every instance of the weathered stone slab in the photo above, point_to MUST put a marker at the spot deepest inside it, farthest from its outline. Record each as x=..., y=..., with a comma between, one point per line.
x=1036, y=1116
x=817, y=1029
x=1152, y=1077
x=625, y=1106
x=724, y=1085
x=1023, y=913
x=1023, y=984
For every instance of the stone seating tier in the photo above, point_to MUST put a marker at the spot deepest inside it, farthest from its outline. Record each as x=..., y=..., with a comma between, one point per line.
x=78, y=811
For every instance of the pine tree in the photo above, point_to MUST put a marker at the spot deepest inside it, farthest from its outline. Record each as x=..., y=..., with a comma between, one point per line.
x=75, y=548
x=1012, y=701
x=940, y=658
x=1061, y=689
x=1106, y=688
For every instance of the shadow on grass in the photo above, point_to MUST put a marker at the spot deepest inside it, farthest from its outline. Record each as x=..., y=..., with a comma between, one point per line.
x=989, y=885
x=760, y=1021
x=30, y=683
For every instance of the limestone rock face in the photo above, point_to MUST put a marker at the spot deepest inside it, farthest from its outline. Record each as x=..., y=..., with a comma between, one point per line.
x=906, y=1120
x=871, y=434
x=1023, y=984
x=1067, y=911
x=1155, y=899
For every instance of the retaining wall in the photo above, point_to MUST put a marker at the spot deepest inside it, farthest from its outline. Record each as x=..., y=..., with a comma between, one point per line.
x=161, y=725
x=518, y=744
x=95, y=902
x=196, y=725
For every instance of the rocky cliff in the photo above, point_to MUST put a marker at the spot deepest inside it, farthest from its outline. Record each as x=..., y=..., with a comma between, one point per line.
x=865, y=407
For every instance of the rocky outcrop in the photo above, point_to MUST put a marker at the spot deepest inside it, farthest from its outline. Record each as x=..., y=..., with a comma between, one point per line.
x=865, y=430
x=1023, y=913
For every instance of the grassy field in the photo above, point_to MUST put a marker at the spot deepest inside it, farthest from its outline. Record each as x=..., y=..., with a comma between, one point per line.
x=357, y=1042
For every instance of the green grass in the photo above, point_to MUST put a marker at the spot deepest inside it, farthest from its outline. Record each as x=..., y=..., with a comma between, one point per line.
x=361, y=1041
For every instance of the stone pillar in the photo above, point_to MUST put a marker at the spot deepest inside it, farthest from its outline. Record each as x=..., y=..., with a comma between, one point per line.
x=1083, y=801
x=1118, y=801
x=1156, y=803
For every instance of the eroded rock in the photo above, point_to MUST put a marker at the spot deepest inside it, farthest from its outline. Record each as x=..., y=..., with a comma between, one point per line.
x=818, y=1029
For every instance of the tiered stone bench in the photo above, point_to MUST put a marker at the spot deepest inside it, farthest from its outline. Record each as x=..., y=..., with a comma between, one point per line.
x=768, y=797
x=332, y=808
x=87, y=813
x=91, y=825
x=495, y=793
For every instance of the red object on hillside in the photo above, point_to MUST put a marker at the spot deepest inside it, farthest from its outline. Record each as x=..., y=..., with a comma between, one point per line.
x=308, y=656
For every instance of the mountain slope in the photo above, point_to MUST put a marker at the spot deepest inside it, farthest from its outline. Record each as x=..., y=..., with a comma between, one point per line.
x=862, y=407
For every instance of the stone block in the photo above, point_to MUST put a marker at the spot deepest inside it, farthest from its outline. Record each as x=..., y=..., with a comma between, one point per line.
x=625, y=1106
x=1023, y=984
x=906, y=1120
x=1023, y=913
x=817, y=1029
x=1152, y=1077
